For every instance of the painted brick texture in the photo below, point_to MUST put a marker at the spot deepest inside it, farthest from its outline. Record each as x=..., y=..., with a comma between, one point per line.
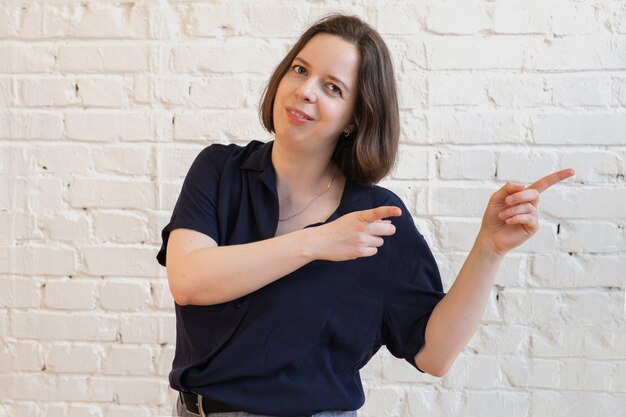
x=104, y=104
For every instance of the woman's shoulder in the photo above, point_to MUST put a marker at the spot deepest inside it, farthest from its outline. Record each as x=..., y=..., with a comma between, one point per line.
x=223, y=151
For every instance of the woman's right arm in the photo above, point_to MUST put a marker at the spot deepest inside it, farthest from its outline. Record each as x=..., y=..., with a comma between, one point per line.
x=200, y=272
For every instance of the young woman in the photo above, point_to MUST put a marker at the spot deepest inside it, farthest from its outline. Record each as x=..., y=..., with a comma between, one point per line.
x=290, y=268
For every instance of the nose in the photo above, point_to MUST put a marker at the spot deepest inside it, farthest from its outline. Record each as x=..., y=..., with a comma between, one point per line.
x=306, y=91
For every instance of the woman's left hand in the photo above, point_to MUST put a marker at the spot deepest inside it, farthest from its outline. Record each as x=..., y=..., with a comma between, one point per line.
x=511, y=214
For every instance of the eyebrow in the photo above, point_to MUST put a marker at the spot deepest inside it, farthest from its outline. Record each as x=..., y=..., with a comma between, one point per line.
x=332, y=77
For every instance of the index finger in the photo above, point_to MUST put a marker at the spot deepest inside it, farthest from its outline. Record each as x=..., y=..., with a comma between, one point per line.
x=549, y=180
x=379, y=213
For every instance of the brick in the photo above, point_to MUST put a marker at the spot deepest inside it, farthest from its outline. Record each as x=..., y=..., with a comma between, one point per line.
x=34, y=125
x=8, y=24
x=119, y=261
x=143, y=90
x=73, y=358
x=574, y=341
x=69, y=226
x=167, y=329
x=585, y=90
x=414, y=91
x=473, y=371
x=564, y=403
x=20, y=292
x=50, y=92
x=595, y=237
x=34, y=260
x=103, y=58
x=72, y=410
x=456, y=89
x=526, y=91
x=27, y=356
x=168, y=194
x=161, y=295
x=380, y=401
x=16, y=226
x=114, y=410
x=202, y=126
x=618, y=377
x=511, y=17
x=498, y=340
x=110, y=127
x=101, y=92
x=572, y=18
x=413, y=129
x=127, y=160
x=579, y=128
x=563, y=271
x=403, y=19
x=215, y=21
x=413, y=163
x=466, y=164
x=124, y=296
x=165, y=360
x=128, y=360
x=457, y=235
x=97, y=21
x=119, y=227
x=66, y=159
x=275, y=21
x=532, y=307
x=475, y=128
x=7, y=93
x=4, y=325
x=457, y=18
x=131, y=390
x=563, y=202
x=599, y=306
x=44, y=325
x=463, y=52
x=227, y=56
x=569, y=53
x=532, y=373
x=136, y=328
x=592, y=166
x=217, y=93
x=173, y=90
x=174, y=162
x=17, y=59
x=585, y=375
x=490, y=403
x=70, y=295
x=458, y=201
x=521, y=167
x=100, y=193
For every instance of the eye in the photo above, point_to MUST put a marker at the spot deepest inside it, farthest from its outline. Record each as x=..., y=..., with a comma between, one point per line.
x=334, y=90
x=299, y=69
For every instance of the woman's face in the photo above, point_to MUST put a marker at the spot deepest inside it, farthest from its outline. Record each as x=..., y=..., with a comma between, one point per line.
x=315, y=99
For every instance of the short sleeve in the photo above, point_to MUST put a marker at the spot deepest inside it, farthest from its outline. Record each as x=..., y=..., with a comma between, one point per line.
x=196, y=207
x=413, y=289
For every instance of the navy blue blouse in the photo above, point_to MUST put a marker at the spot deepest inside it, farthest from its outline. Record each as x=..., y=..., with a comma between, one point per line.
x=295, y=346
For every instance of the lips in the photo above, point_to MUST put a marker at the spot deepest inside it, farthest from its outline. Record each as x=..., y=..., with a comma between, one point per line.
x=298, y=114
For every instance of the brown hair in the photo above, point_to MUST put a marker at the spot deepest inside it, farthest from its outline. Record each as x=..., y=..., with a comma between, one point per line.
x=369, y=152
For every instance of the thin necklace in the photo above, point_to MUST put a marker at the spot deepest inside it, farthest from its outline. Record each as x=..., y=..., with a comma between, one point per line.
x=311, y=202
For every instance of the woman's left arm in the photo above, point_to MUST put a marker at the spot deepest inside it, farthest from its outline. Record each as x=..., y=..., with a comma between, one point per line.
x=509, y=220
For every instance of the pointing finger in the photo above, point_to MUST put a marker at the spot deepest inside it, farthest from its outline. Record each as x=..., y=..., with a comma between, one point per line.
x=380, y=213
x=549, y=180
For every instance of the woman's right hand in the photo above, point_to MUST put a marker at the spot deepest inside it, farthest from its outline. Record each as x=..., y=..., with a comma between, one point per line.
x=354, y=235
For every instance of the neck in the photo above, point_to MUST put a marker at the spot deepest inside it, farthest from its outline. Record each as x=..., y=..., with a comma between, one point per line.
x=300, y=172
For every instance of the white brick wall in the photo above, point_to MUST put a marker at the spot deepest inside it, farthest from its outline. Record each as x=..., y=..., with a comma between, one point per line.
x=103, y=106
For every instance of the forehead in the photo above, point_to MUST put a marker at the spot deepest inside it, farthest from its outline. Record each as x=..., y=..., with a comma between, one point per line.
x=333, y=55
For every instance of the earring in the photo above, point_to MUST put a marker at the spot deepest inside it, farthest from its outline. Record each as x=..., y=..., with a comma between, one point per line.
x=346, y=134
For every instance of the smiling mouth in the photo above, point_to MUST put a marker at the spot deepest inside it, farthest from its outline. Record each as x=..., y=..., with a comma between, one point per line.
x=298, y=115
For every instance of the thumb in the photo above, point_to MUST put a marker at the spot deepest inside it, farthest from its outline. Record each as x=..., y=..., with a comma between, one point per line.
x=379, y=213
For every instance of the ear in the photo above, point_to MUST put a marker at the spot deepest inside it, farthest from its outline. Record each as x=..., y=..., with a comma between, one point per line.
x=349, y=129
